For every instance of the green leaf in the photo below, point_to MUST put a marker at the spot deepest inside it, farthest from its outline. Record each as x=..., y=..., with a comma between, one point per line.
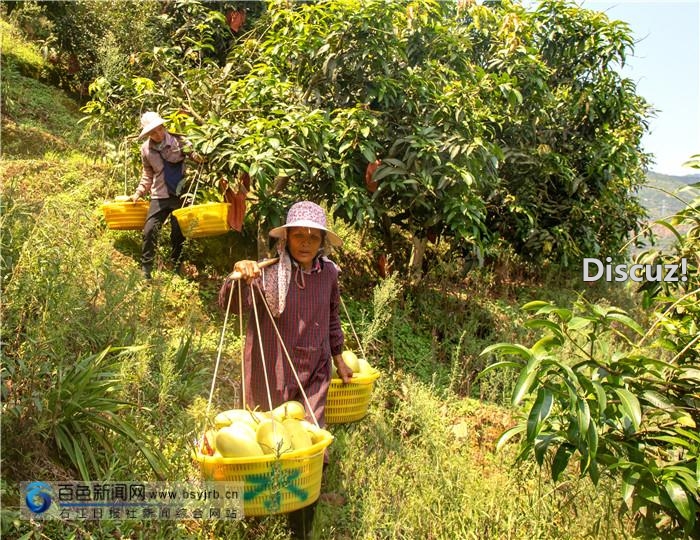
x=600, y=397
x=676, y=441
x=522, y=386
x=671, y=228
x=592, y=436
x=497, y=365
x=539, y=413
x=689, y=373
x=627, y=321
x=657, y=400
x=543, y=346
x=509, y=434
x=679, y=498
x=566, y=373
x=563, y=313
x=593, y=471
x=683, y=418
x=394, y=162
x=383, y=172
x=630, y=406
x=543, y=323
x=561, y=460
x=583, y=416
x=629, y=481
x=691, y=435
x=577, y=323
x=542, y=444
x=368, y=153
x=536, y=304
x=253, y=170
x=684, y=475
x=508, y=348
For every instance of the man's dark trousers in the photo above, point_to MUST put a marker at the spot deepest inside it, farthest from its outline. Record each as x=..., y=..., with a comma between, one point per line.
x=158, y=212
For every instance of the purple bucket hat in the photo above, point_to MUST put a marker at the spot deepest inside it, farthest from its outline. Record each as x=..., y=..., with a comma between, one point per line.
x=306, y=214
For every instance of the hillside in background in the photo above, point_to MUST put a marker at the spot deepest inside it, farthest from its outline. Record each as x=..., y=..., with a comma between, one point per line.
x=664, y=195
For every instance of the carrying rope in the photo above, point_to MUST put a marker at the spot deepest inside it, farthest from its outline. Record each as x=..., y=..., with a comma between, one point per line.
x=187, y=199
x=218, y=354
x=262, y=349
x=352, y=327
x=286, y=353
x=240, y=333
x=126, y=165
x=236, y=276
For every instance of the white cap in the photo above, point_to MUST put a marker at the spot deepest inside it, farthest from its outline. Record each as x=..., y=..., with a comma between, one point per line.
x=150, y=121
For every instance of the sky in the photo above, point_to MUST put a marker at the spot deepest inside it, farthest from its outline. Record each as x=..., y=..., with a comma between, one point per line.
x=666, y=68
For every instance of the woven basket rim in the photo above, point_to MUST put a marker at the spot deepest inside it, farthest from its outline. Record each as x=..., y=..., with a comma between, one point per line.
x=196, y=207
x=107, y=204
x=295, y=455
x=360, y=378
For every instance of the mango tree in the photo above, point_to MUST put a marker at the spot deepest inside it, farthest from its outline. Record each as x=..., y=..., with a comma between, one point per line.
x=459, y=123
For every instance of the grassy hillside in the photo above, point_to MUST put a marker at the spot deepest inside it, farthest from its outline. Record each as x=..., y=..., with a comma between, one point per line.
x=422, y=464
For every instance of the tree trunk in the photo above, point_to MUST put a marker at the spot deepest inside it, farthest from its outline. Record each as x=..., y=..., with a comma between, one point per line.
x=415, y=266
x=263, y=243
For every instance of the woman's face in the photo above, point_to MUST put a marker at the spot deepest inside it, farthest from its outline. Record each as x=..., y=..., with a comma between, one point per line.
x=157, y=134
x=303, y=244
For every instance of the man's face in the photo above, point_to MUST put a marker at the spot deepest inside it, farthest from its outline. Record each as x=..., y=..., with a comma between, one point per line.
x=157, y=134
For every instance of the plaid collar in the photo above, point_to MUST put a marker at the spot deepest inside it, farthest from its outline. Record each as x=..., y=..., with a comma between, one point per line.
x=316, y=265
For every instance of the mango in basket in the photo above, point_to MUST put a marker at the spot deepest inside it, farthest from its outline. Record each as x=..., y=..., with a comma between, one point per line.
x=208, y=446
x=237, y=440
x=365, y=368
x=122, y=198
x=359, y=366
x=227, y=418
x=351, y=360
x=273, y=437
x=288, y=409
x=314, y=432
x=297, y=433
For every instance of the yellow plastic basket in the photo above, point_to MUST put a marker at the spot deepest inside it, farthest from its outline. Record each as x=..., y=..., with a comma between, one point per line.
x=125, y=215
x=200, y=220
x=349, y=402
x=272, y=485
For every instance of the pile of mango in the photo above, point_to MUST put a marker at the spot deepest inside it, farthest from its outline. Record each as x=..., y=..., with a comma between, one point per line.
x=244, y=433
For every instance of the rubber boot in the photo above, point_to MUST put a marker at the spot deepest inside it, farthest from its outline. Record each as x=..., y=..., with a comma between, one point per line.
x=301, y=522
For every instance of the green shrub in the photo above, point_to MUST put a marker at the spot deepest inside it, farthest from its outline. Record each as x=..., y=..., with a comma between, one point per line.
x=615, y=405
x=19, y=54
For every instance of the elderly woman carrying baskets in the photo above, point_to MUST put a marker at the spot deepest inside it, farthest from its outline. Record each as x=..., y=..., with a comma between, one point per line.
x=302, y=292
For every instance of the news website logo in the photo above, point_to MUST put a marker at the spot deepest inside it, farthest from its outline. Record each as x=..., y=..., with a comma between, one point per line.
x=71, y=500
x=38, y=497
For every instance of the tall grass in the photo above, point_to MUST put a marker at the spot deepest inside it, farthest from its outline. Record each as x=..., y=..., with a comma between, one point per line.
x=423, y=467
